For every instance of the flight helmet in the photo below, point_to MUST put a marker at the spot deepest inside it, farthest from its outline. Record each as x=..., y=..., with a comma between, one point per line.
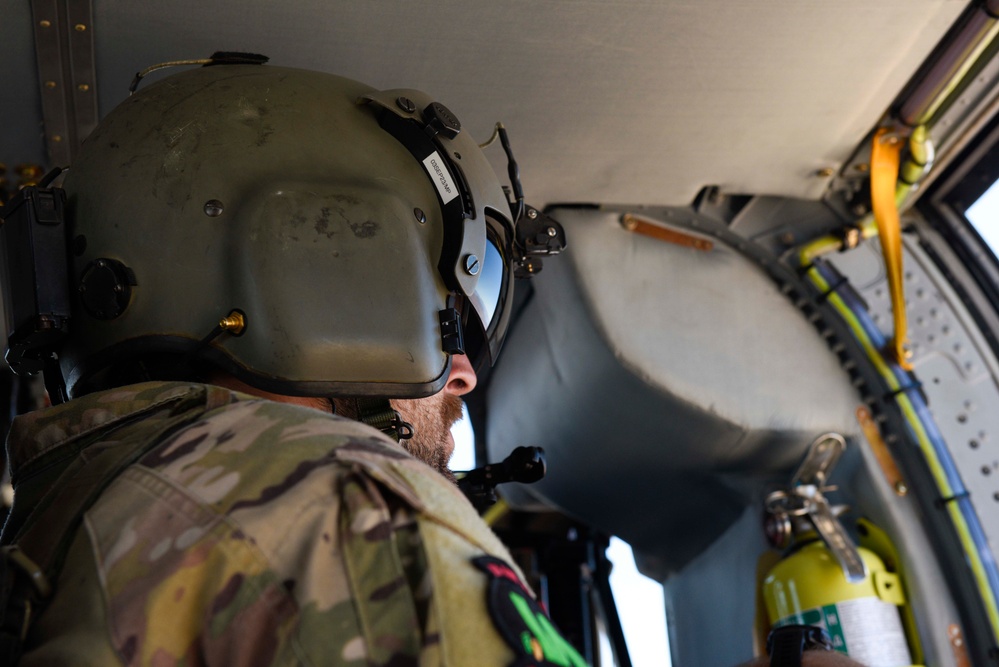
x=303, y=232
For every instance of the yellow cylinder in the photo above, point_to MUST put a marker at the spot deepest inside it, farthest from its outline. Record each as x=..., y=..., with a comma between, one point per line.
x=862, y=618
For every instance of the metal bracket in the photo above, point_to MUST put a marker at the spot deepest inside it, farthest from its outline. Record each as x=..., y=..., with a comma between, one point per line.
x=64, y=47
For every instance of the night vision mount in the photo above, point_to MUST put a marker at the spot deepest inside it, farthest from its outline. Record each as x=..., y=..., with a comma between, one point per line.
x=535, y=234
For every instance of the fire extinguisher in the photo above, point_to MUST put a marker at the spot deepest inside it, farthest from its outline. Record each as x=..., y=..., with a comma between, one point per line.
x=823, y=578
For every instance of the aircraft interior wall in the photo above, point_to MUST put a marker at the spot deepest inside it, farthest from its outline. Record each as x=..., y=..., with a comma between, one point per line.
x=670, y=434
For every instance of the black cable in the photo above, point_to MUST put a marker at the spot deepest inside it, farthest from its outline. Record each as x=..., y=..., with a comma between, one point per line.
x=514, y=171
x=51, y=176
x=940, y=502
x=832, y=289
x=902, y=390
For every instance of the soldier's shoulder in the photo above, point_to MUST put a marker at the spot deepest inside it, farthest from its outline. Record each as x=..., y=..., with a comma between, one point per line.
x=35, y=433
x=247, y=427
x=256, y=452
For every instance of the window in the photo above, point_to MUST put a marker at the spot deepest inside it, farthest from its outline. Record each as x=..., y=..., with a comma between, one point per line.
x=984, y=217
x=464, y=442
x=641, y=606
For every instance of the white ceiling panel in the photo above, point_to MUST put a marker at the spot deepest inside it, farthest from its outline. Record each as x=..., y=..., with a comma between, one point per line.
x=624, y=101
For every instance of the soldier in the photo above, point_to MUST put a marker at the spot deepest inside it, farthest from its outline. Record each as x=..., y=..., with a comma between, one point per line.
x=252, y=249
x=261, y=259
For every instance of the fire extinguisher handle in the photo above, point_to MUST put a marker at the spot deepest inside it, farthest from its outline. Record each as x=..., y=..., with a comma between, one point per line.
x=821, y=458
x=834, y=535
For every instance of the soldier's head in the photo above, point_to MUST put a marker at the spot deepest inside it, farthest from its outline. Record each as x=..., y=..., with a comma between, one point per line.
x=344, y=226
x=300, y=232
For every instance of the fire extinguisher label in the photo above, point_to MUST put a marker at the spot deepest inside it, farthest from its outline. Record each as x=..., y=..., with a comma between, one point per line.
x=869, y=630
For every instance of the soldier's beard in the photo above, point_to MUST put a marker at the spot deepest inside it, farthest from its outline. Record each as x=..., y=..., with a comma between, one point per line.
x=431, y=418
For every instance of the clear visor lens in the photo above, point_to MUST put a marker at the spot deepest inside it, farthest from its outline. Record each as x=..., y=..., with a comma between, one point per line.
x=488, y=289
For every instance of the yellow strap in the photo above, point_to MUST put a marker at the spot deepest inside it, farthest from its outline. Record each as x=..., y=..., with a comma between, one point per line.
x=884, y=174
x=495, y=513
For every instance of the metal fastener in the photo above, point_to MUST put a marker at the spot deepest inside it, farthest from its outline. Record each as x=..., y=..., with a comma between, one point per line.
x=79, y=27
x=50, y=84
x=56, y=138
x=552, y=232
x=471, y=265
x=405, y=104
x=421, y=217
x=234, y=323
x=825, y=172
x=213, y=208
x=45, y=23
x=28, y=171
x=532, y=213
x=83, y=87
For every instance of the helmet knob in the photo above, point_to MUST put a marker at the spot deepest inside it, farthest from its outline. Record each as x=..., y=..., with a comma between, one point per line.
x=440, y=120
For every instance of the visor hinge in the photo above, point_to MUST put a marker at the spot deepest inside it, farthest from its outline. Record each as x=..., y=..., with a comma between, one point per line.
x=452, y=334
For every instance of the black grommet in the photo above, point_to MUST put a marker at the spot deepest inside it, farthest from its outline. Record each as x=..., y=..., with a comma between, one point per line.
x=106, y=288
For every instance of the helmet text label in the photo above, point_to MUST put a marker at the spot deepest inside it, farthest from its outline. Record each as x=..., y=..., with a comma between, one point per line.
x=434, y=165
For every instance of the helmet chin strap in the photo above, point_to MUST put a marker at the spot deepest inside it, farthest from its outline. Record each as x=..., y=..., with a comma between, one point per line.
x=378, y=412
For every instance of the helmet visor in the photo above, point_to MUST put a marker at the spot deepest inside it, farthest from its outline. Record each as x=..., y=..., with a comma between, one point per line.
x=489, y=289
x=491, y=301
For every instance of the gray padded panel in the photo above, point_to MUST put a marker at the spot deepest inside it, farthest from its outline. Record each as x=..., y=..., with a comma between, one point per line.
x=664, y=383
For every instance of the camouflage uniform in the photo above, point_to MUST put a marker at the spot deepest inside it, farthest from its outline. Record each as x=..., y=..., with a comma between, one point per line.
x=259, y=533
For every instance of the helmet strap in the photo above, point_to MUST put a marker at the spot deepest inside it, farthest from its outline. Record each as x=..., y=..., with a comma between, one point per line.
x=378, y=412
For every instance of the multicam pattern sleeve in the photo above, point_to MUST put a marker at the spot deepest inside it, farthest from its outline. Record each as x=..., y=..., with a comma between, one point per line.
x=267, y=534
